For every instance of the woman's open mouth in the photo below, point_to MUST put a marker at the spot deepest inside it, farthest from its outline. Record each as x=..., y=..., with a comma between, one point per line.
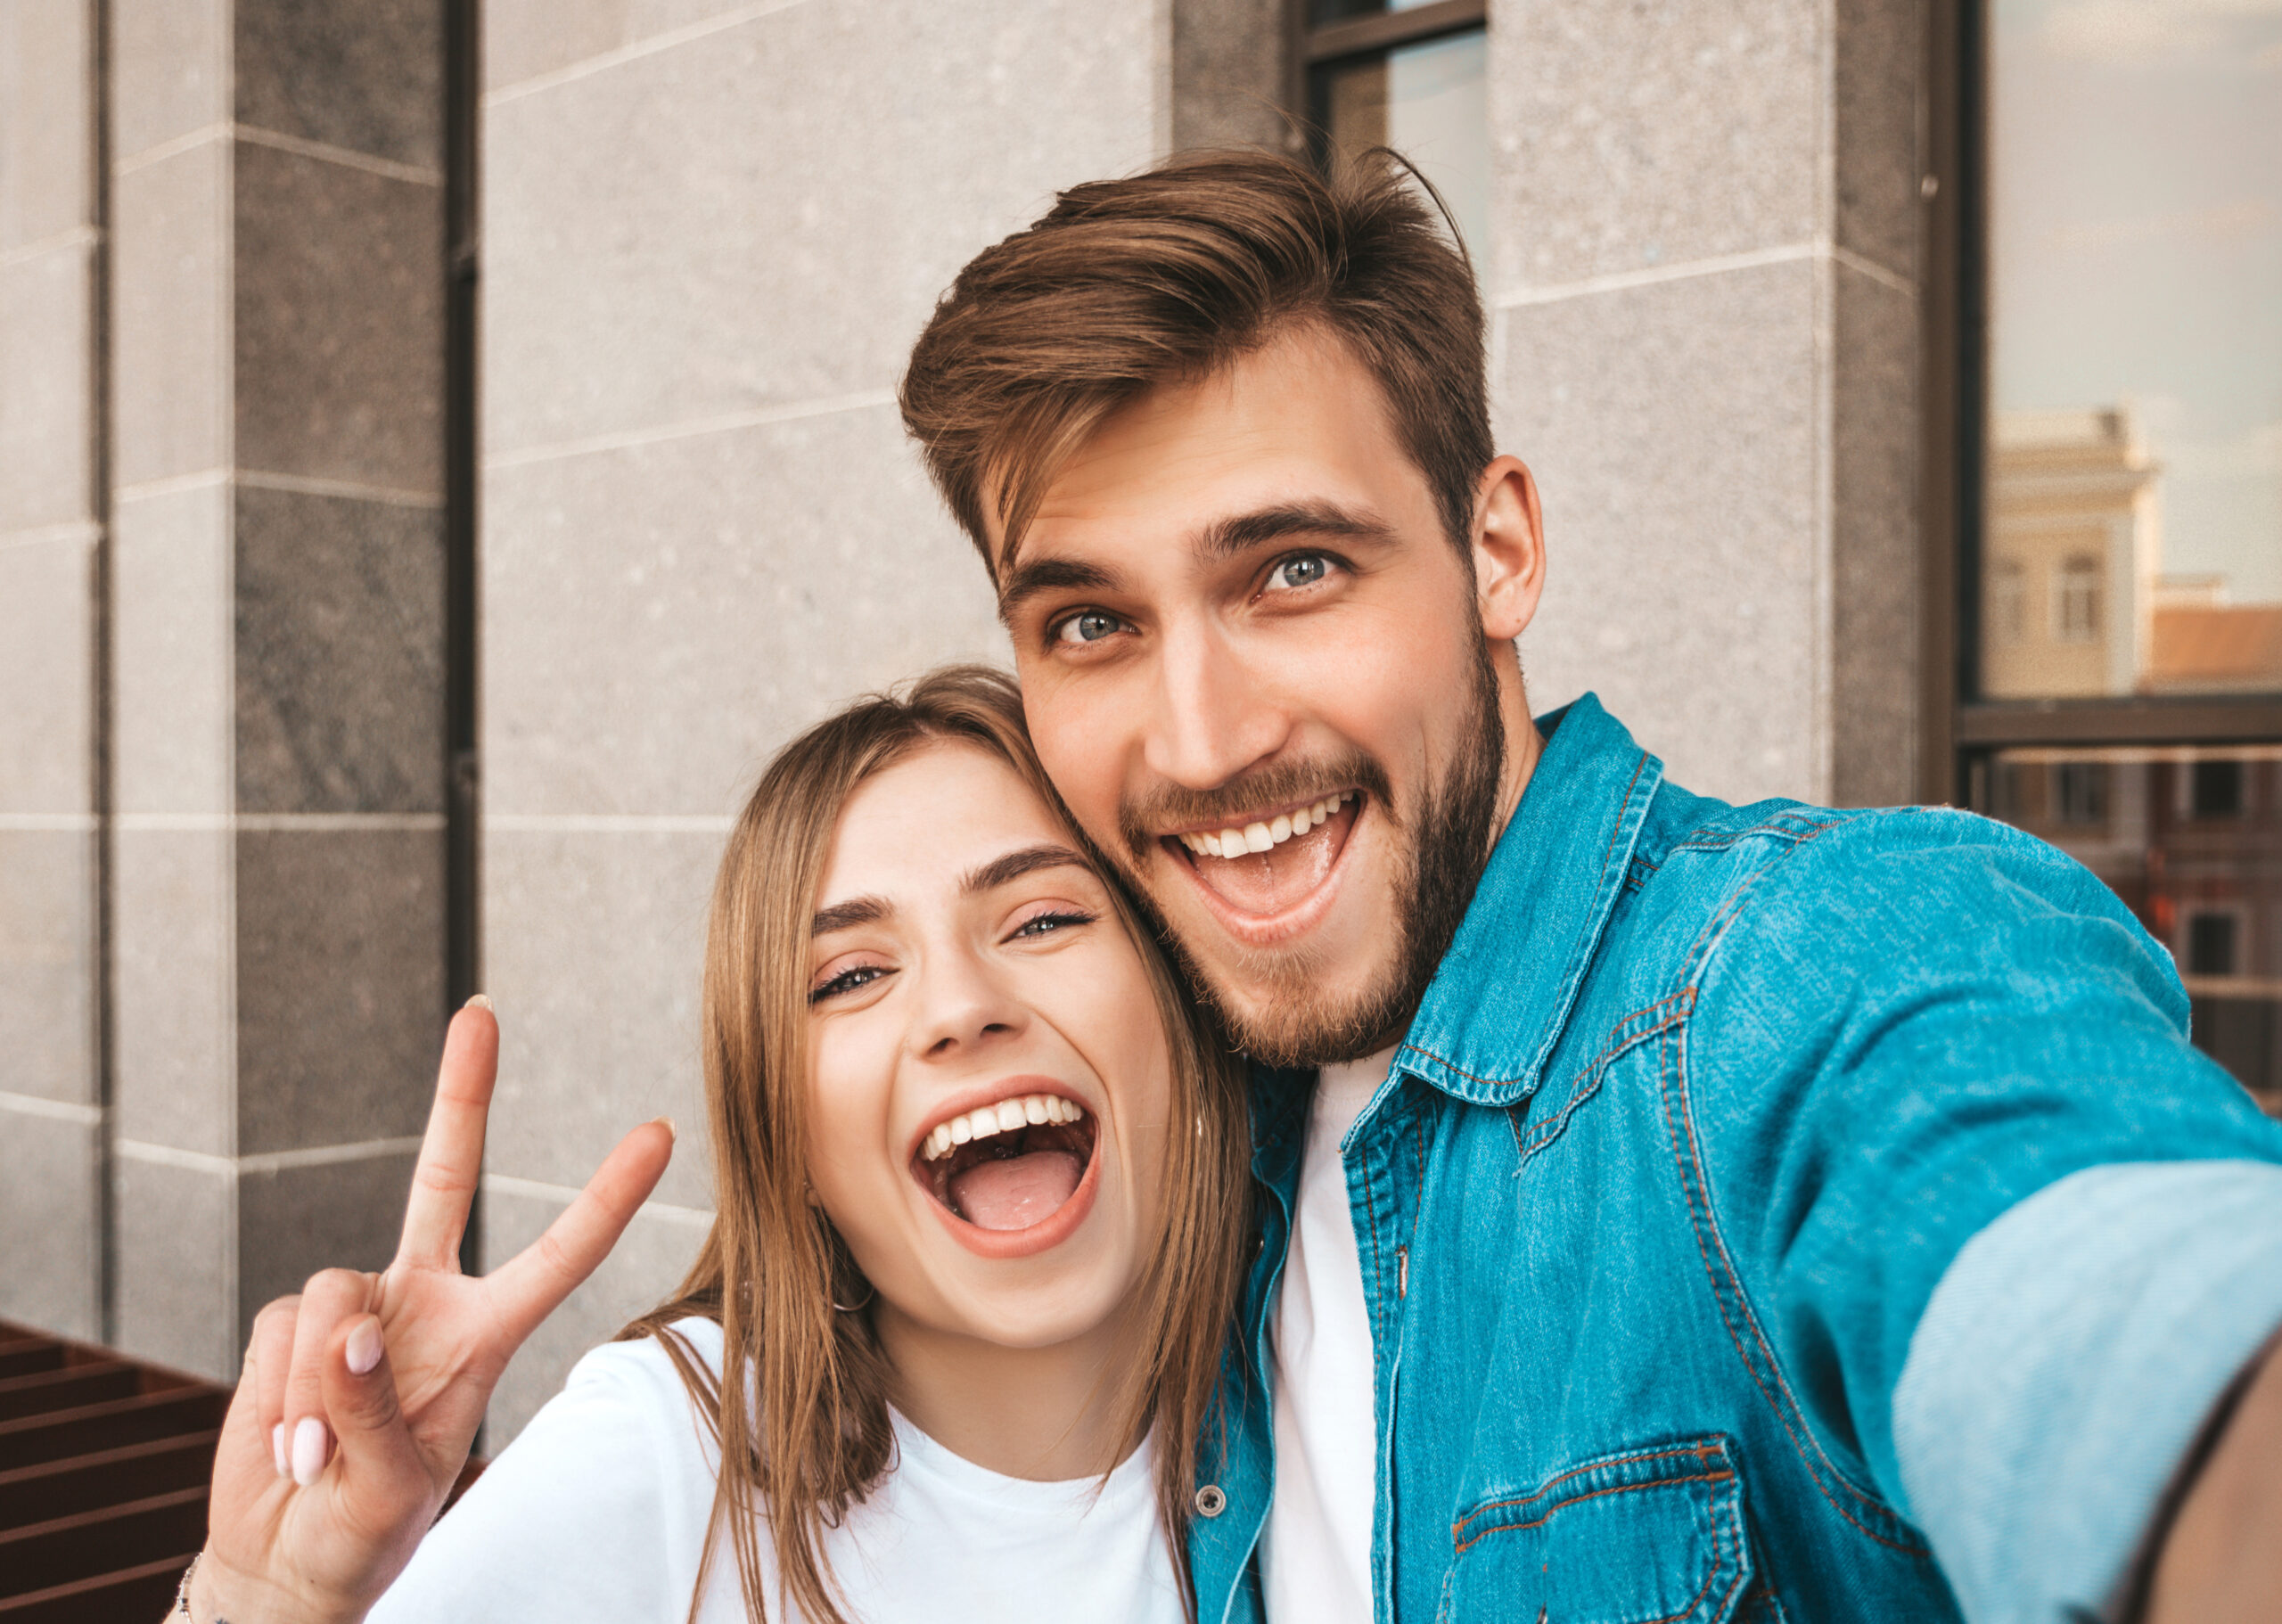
x=1020, y=1170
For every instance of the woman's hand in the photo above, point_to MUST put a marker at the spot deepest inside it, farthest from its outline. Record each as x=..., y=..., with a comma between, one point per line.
x=360, y=1396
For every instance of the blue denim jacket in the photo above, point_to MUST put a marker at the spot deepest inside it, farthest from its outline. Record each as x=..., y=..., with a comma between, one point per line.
x=1700, y=1106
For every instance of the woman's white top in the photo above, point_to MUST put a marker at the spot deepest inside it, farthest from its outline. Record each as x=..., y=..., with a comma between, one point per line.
x=598, y=1513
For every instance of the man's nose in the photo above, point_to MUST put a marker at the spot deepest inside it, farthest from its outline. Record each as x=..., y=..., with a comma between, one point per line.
x=1212, y=716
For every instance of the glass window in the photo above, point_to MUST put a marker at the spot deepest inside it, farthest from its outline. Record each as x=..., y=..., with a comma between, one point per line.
x=1426, y=98
x=2191, y=839
x=2134, y=477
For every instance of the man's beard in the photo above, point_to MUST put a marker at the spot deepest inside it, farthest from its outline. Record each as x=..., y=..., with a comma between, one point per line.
x=1291, y=1020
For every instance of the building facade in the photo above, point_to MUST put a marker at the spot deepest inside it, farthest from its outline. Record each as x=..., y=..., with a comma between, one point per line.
x=444, y=449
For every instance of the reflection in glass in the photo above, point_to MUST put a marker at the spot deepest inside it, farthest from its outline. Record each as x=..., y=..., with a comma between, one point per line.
x=1322, y=11
x=2133, y=542
x=1430, y=102
x=2191, y=839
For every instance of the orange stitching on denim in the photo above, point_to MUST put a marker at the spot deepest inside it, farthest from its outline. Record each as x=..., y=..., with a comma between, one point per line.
x=1623, y=804
x=1720, y=1476
x=1526, y=1146
x=1699, y=1452
x=1698, y=1191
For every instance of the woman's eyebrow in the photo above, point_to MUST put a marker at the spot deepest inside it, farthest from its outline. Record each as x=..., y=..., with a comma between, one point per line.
x=840, y=916
x=1005, y=870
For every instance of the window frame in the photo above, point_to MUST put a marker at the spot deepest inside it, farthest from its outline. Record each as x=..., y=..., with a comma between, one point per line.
x=1960, y=732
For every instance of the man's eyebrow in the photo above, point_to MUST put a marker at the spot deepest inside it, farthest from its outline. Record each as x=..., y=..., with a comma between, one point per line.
x=1226, y=538
x=1036, y=575
x=1013, y=865
x=840, y=916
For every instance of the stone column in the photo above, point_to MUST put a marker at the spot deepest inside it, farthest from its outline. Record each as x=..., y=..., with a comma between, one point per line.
x=277, y=367
x=51, y=533
x=1708, y=228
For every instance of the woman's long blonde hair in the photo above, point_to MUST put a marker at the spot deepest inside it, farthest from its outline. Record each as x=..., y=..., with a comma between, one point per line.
x=802, y=1417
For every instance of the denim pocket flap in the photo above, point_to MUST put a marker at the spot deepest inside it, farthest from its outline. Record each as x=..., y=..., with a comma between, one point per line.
x=1648, y=1536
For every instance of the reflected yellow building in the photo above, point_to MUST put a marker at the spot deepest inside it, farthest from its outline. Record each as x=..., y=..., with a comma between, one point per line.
x=2074, y=604
x=2075, y=548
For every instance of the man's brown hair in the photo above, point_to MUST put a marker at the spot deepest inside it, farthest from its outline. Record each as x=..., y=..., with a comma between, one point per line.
x=1167, y=276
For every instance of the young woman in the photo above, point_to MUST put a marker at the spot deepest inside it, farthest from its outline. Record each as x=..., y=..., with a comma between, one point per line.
x=948, y=1348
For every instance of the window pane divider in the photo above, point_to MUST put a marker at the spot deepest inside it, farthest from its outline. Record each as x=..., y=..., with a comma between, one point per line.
x=1360, y=36
x=2218, y=719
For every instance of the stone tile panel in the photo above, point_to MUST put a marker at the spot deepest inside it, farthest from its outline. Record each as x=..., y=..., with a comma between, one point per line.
x=48, y=1016
x=1877, y=678
x=49, y=1214
x=171, y=70
x=682, y=235
x=46, y=394
x=46, y=121
x=1646, y=133
x=658, y=619
x=294, y=1221
x=368, y=77
x=1879, y=73
x=173, y=1027
x=176, y=1234
x=1671, y=429
x=339, y=938
x=170, y=313
x=339, y=323
x=172, y=632
x=47, y=625
x=593, y=944
x=340, y=656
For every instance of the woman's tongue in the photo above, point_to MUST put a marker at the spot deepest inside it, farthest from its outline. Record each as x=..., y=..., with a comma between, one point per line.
x=1015, y=1192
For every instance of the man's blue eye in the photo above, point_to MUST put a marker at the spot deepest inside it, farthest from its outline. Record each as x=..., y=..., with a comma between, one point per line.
x=1303, y=572
x=1090, y=626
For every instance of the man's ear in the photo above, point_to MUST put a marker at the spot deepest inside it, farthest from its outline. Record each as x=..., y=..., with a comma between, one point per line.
x=1508, y=549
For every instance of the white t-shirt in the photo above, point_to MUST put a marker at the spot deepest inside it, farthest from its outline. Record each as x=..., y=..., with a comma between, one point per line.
x=598, y=1512
x=1315, y=1553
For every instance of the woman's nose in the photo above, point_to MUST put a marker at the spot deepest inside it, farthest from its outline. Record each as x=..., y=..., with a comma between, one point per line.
x=962, y=1005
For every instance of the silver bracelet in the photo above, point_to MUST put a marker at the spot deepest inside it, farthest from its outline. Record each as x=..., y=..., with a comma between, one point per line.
x=181, y=1609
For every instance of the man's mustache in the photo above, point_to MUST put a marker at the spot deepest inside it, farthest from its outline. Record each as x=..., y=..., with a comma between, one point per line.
x=1143, y=820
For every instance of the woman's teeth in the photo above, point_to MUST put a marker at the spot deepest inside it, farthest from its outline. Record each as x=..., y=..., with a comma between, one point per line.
x=1027, y=1111
x=1262, y=837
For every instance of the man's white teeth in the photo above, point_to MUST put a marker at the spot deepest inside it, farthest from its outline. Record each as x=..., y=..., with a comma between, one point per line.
x=1261, y=836
x=1030, y=1110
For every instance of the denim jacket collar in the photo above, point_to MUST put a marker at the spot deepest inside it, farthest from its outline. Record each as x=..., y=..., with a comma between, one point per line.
x=1497, y=1005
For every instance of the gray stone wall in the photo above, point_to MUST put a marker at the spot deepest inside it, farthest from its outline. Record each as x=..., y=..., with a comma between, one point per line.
x=1705, y=300
x=710, y=234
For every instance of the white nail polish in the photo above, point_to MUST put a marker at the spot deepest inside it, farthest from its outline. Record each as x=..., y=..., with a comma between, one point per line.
x=277, y=1449
x=308, y=1450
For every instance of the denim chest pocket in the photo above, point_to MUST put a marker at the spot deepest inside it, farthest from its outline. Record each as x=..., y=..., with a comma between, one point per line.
x=1647, y=1536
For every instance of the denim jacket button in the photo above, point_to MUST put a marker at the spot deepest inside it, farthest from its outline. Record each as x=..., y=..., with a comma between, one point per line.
x=1210, y=1501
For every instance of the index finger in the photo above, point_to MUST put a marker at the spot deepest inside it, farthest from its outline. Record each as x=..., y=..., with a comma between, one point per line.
x=451, y=1154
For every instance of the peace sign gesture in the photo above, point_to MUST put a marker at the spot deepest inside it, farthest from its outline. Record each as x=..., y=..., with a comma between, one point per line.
x=360, y=1397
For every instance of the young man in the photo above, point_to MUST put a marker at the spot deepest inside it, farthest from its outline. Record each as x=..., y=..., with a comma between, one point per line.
x=1676, y=1210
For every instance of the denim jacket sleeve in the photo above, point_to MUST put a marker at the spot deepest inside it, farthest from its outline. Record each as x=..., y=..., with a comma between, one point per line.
x=1904, y=1029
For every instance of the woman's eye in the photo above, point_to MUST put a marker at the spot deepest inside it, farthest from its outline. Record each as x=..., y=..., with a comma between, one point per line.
x=1047, y=924
x=1307, y=570
x=847, y=980
x=1086, y=626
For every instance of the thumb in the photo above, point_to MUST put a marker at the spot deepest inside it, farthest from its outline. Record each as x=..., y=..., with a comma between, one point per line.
x=383, y=1483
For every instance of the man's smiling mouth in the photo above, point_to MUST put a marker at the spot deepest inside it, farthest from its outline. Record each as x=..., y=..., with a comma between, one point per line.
x=1273, y=862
